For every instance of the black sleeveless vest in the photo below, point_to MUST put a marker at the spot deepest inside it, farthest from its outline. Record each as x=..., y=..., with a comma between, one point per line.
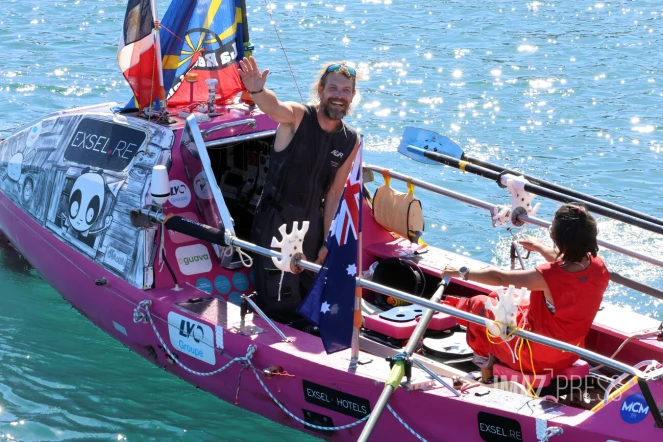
x=300, y=175
x=298, y=180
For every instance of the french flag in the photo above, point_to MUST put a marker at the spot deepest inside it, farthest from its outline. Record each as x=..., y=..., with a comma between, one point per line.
x=137, y=54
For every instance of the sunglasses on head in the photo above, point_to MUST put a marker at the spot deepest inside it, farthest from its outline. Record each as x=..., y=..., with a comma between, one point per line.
x=337, y=67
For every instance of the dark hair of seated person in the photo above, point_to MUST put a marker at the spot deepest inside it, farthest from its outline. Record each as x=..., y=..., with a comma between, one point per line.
x=574, y=231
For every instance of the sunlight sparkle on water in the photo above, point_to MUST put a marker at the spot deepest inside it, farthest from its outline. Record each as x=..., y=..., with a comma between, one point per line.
x=643, y=129
x=371, y=105
x=540, y=83
x=458, y=53
x=457, y=73
x=528, y=48
x=496, y=72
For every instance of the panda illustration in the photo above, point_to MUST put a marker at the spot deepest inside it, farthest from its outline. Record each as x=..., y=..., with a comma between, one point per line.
x=86, y=201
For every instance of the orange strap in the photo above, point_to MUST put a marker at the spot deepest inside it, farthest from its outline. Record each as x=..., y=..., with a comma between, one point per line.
x=410, y=186
x=387, y=177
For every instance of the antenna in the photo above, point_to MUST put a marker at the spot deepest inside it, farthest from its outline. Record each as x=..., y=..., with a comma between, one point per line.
x=160, y=191
x=211, y=101
x=160, y=187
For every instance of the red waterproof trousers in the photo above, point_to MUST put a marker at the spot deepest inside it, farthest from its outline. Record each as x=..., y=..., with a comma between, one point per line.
x=577, y=297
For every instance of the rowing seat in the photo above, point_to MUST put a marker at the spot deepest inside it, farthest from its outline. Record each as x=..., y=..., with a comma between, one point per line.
x=579, y=370
x=400, y=322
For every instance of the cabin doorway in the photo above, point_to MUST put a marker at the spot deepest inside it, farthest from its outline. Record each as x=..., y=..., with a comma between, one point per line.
x=240, y=166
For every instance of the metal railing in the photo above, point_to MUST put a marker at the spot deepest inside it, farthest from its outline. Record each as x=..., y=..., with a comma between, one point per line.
x=249, y=121
x=494, y=209
x=625, y=368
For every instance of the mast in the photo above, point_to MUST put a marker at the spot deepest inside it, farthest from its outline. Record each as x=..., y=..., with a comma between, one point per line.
x=163, y=104
x=248, y=49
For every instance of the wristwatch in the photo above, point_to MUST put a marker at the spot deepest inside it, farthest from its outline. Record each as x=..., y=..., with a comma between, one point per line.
x=464, y=272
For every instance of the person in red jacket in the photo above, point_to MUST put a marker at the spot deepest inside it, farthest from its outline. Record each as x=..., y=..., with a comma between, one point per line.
x=566, y=293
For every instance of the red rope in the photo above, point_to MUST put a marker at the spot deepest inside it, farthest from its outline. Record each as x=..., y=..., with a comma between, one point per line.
x=171, y=32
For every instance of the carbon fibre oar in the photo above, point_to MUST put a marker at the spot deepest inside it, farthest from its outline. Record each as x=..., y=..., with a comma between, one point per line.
x=535, y=189
x=434, y=142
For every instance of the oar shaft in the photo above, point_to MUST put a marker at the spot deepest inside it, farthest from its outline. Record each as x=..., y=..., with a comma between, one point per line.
x=541, y=191
x=426, y=316
x=628, y=219
x=397, y=371
x=376, y=413
x=565, y=190
x=606, y=244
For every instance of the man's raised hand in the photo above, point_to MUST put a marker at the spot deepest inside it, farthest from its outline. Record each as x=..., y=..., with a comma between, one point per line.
x=253, y=79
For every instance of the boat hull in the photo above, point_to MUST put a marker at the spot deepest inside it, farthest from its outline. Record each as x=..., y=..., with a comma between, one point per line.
x=311, y=378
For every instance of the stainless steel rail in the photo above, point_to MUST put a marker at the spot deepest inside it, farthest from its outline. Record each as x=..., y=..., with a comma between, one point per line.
x=494, y=208
x=249, y=121
x=607, y=245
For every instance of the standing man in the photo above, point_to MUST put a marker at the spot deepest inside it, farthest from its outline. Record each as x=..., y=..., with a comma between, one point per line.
x=308, y=164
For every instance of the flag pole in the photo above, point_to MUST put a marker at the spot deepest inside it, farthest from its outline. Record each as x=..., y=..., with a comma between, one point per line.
x=354, y=351
x=163, y=104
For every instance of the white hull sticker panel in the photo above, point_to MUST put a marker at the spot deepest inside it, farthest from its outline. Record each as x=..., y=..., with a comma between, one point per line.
x=193, y=259
x=80, y=174
x=191, y=337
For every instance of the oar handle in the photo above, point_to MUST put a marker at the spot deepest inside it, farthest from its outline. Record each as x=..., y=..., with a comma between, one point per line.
x=194, y=229
x=539, y=190
x=565, y=190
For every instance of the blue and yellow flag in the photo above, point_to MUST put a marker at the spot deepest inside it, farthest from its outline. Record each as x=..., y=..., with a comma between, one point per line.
x=205, y=38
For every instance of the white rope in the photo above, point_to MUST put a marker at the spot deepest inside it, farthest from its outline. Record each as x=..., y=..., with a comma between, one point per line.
x=280, y=284
x=301, y=421
x=142, y=314
x=407, y=427
x=145, y=317
x=551, y=432
x=242, y=255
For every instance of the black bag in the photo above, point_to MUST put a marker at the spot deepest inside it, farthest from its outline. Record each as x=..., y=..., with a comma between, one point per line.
x=397, y=274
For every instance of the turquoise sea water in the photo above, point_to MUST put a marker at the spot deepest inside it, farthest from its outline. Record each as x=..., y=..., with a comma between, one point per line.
x=568, y=91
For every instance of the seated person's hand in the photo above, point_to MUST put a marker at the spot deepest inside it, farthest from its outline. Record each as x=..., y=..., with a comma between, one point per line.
x=450, y=270
x=531, y=244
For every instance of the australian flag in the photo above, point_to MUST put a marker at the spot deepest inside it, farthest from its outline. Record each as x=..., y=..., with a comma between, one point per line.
x=330, y=303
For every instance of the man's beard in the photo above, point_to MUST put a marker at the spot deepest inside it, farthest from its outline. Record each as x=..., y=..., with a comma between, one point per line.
x=332, y=113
